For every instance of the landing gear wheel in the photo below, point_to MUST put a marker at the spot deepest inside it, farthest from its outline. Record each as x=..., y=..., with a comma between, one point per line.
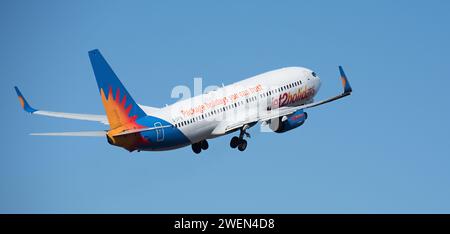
x=196, y=148
x=243, y=145
x=234, y=142
x=204, y=145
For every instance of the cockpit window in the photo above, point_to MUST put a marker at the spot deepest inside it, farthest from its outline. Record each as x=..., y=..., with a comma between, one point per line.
x=314, y=74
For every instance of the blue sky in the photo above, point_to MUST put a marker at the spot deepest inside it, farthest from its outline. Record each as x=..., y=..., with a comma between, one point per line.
x=385, y=149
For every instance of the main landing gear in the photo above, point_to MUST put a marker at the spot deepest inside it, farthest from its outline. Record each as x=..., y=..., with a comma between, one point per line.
x=199, y=146
x=239, y=142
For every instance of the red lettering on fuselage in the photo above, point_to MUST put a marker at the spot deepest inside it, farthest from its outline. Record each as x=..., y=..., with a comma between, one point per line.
x=288, y=98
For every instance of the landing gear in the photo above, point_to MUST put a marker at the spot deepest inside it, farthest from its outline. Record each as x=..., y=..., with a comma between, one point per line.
x=204, y=145
x=243, y=145
x=196, y=148
x=239, y=142
x=234, y=142
x=199, y=146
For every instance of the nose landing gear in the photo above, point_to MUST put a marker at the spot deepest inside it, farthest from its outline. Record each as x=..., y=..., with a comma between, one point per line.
x=240, y=142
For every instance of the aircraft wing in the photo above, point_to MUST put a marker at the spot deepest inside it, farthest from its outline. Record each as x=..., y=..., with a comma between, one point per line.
x=89, y=117
x=283, y=111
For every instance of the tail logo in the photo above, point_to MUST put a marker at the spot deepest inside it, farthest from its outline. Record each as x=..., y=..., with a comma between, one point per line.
x=116, y=110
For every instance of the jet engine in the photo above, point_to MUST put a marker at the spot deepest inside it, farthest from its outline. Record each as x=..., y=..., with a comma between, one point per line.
x=288, y=122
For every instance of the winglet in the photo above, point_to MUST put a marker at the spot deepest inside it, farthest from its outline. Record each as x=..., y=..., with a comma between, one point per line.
x=24, y=102
x=345, y=83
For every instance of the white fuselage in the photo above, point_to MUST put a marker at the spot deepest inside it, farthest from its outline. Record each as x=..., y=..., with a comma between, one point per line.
x=198, y=117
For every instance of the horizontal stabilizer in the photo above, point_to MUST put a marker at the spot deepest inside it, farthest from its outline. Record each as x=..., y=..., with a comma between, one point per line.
x=75, y=134
x=133, y=131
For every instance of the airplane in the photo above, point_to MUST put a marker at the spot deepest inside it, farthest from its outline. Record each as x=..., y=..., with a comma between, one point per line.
x=277, y=99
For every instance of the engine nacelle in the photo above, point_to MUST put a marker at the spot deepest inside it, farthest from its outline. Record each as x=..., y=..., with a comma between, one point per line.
x=288, y=122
